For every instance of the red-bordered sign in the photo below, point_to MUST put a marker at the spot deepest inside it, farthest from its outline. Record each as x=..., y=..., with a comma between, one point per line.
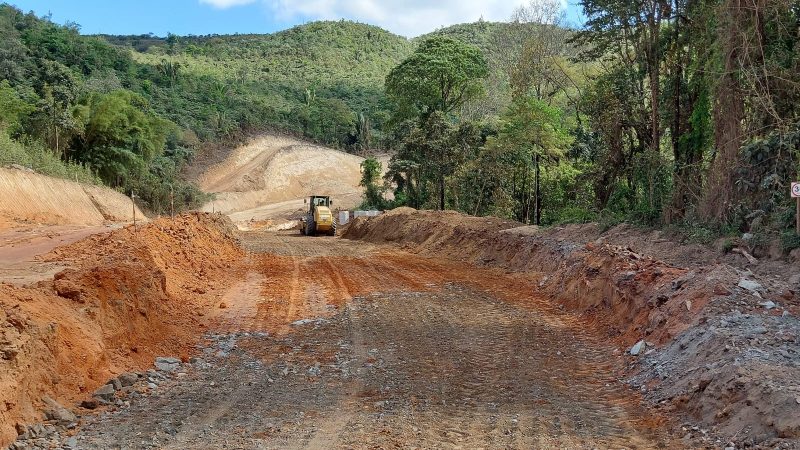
x=796, y=189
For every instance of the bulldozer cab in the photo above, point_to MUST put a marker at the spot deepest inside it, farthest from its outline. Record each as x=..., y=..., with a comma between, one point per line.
x=317, y=200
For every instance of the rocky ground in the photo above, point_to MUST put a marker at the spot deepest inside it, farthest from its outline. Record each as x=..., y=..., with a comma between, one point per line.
x=411, y=370
x=373, y=350
x=709, y=336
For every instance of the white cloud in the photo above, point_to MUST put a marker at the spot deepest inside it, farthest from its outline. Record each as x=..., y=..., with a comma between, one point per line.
x=224, y=4
x=405, y=17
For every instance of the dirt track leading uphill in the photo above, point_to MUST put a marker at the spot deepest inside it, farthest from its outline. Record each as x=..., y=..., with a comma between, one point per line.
x=399, y=351
x=269, y=177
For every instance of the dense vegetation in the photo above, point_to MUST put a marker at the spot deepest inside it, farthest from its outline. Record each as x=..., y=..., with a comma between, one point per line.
x=658, y=112
x=130, y=111
x=323, y=80
x=76, y=106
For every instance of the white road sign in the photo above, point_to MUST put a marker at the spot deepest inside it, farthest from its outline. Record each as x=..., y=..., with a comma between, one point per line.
x=796, y=190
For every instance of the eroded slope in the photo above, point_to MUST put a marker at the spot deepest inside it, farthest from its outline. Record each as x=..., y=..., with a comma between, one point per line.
x=271, y=175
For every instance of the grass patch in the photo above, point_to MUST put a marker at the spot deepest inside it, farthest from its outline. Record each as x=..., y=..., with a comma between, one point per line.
x=41, y=160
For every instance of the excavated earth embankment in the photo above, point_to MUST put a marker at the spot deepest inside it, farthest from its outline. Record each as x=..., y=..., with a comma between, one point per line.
x=713, y=342
x=127, y=296
x=268, y=178
x=28, y=197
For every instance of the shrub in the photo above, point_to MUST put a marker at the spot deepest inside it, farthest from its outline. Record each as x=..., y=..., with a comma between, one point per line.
x=34, y=156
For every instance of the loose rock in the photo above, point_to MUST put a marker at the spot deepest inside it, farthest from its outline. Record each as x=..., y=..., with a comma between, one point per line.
x=750, y=285
x=128, y=379
x=105, y=393
x=167, y=364
x=637, y=348
x=57, y=412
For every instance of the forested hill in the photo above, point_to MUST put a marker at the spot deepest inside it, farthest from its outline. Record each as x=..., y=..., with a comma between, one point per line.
x=131, y=111
x=685, y=121
x=62, y=95
x=314, y=79
x=315, y=51
x=324, y=80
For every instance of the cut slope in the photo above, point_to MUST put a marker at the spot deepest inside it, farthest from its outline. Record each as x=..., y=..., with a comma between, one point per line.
x=708, y=345
x=29, y=197
x=274, y=170
x=130, y=295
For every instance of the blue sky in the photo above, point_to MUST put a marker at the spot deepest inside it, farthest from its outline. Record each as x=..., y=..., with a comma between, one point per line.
x=405, y=17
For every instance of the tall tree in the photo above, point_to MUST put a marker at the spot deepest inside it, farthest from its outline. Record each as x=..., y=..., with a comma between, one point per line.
x=440, y=75
x=370, y=176
x=631, y=29
x=757, y=88
x=119, y=137
x=13, y=109
x=530, y=134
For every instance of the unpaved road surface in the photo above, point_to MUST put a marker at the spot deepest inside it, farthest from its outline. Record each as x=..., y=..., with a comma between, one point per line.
x=399, y=351
x=20, y=247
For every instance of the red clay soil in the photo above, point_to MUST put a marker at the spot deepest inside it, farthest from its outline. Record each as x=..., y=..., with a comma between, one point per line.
x=630, y=295
x=128, y=296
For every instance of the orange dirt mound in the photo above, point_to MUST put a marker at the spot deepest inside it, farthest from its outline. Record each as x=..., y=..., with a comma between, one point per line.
x=130, y=295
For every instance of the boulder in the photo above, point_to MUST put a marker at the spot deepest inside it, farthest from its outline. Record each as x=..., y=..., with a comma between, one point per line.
x=769, y=304
x=167, y=364
x=105, y=393
x=89, y=404
x=637, y=348
x=750, y=285
x=54, y=411
x=115, y=383
x=128, y=379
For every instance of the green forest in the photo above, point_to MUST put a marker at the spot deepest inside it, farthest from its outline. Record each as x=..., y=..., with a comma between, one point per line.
x=656, y=112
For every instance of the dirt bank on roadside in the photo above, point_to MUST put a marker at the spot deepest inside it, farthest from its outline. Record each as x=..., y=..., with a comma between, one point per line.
x=714, y=341
x=127, y=296
x=27, y=197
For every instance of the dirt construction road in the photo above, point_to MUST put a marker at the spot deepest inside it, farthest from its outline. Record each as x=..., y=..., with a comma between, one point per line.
x=398, y=351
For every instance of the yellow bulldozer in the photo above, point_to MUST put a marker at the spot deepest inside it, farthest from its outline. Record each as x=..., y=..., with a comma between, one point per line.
x=319, y=217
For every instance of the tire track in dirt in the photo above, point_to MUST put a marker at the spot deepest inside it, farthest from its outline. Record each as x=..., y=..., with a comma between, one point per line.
x=471, y=366
x=330, y=429
x=295, y=290
x=414, y=352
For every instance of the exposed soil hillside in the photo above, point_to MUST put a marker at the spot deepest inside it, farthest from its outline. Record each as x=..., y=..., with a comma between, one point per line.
x=127, y=296
x=30, y=198
x=276, y=170
x=715, y=341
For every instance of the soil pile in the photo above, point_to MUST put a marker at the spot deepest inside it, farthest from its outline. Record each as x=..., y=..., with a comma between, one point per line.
x=714, y=341
x=27, y=197
x=128, y=296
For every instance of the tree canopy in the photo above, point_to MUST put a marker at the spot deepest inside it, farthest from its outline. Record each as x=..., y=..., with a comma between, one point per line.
x=441, y=75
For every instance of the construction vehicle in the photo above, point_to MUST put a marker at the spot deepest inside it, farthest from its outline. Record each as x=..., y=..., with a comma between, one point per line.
x=319, y=217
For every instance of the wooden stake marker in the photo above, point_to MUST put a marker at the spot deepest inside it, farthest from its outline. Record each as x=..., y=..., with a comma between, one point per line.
x=796, y=196
x=133, y=204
